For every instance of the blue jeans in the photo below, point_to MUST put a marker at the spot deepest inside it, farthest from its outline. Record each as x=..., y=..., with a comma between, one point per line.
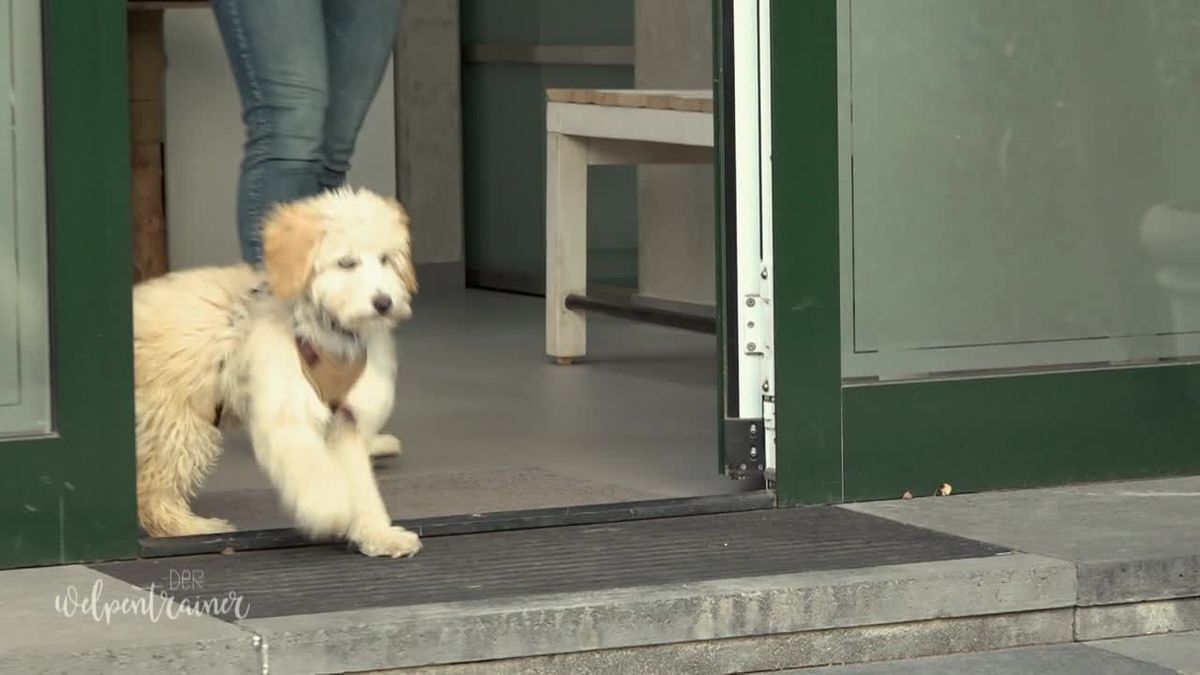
x=307, y=72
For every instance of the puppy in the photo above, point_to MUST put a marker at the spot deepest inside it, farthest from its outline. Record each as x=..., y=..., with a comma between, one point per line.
x=301, y=353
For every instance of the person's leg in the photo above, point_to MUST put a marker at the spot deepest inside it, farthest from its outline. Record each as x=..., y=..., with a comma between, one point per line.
x=360, y=36
x=276, y=49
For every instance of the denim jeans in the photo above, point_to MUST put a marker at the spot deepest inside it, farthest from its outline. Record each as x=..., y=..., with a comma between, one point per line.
x=306, y=72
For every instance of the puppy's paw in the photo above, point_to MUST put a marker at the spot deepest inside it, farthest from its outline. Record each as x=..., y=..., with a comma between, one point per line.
x=211, y=526
x=324, y=510
x=384, y=445
x=195, y=525
x=395, y=542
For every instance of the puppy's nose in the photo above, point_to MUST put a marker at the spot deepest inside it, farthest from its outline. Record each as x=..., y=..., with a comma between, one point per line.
x=382, y=303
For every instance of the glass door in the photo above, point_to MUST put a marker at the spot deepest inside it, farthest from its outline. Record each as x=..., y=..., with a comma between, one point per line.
x=66, y=399
x=993, y=241
x=24, y=280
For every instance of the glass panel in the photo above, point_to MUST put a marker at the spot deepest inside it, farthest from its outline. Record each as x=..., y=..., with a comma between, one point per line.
x=24, y=329
x=1021, y=185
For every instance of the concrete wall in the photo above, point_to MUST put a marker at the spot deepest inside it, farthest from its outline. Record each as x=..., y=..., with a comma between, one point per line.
x=428, y=114
x=676, y=226
x=204, y=136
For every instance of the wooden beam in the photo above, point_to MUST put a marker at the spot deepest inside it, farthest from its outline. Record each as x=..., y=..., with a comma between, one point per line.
x=147, y=67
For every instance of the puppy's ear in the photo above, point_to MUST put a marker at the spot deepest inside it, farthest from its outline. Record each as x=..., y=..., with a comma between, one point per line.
x=404, y=266
x=408, y=273
x=291, y=233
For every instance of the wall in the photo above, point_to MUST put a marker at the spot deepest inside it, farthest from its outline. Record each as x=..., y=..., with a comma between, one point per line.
x=676, y=226
x=428, y=113
x=204, y=136
x=504, y=131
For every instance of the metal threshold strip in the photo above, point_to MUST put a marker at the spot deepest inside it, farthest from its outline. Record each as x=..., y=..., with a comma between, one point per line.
x=439, y=526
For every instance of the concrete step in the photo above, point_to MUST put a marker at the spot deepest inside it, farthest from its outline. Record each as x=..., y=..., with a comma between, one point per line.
x=765, y=591
x=1135, y=545
x=725, y=625
x=728, y=625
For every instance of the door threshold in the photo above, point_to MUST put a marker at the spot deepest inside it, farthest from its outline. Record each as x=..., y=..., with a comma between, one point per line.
x=475, y=523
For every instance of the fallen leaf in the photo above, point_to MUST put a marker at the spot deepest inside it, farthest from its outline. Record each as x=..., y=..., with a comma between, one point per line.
x=907, y=494
x=227, y=551
x=944, y=490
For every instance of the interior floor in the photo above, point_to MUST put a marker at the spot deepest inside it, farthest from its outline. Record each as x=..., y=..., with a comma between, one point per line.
x=489, y=424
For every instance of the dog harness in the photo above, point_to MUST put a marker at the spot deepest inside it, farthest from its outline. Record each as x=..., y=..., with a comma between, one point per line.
x=332, y=378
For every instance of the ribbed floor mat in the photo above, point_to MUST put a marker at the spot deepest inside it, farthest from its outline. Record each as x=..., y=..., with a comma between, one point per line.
x=553, y=560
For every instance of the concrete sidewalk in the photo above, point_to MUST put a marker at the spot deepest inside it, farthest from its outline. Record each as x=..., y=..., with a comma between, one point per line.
x=1135, y=545
x=1088, y=563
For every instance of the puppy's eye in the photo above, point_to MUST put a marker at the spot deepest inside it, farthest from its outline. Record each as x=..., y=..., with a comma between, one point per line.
x=385, y=259
x=348, y=263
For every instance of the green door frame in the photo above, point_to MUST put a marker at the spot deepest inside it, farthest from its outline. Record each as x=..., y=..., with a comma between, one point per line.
x=838, y=442
x=804, y=158
x=70, y=496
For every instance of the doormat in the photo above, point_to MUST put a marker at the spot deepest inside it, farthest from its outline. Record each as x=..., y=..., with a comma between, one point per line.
x=555, y=560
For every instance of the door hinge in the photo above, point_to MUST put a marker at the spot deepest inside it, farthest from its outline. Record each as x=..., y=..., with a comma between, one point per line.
x=752, y=331
x=745, y=448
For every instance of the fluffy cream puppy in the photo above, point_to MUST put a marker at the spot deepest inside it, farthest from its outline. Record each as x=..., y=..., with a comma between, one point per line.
x=301, y=353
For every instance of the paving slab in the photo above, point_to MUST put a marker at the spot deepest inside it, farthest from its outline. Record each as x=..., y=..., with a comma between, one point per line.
x=772, y=653
x=1132, y=541
x=72, y=619
x=1059, y=660
x=1138, y=618
x=505, y=628
x=1176, y=651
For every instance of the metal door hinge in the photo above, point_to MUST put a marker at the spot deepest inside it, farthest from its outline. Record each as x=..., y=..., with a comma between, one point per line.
x=752, y=331
x=745, y=448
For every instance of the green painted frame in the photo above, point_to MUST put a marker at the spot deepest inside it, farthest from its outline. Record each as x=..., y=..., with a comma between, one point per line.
x=70, y=496
x=1021, y=431
x=840, y=442
x=804, y=158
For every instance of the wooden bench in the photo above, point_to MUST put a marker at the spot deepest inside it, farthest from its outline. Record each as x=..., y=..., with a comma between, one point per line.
x=591, y=127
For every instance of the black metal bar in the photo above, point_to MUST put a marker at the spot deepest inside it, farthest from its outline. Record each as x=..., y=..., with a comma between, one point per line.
x=643, y=313
x=440, y=526
x=727, y=282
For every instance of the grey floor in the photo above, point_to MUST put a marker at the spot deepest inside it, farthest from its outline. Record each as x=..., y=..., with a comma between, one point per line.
x=488, y=424
x=1108, y=522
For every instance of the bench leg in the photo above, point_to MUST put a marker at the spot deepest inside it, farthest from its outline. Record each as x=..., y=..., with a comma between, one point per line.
x=566, y=244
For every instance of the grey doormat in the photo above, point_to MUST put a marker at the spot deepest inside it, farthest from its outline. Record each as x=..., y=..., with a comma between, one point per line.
x=435, y=494
x=552, y=560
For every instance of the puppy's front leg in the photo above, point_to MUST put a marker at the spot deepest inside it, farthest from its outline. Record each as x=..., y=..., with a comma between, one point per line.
x=287, y=428
x=309, y=481
x=288, y=423
x=371, y=528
